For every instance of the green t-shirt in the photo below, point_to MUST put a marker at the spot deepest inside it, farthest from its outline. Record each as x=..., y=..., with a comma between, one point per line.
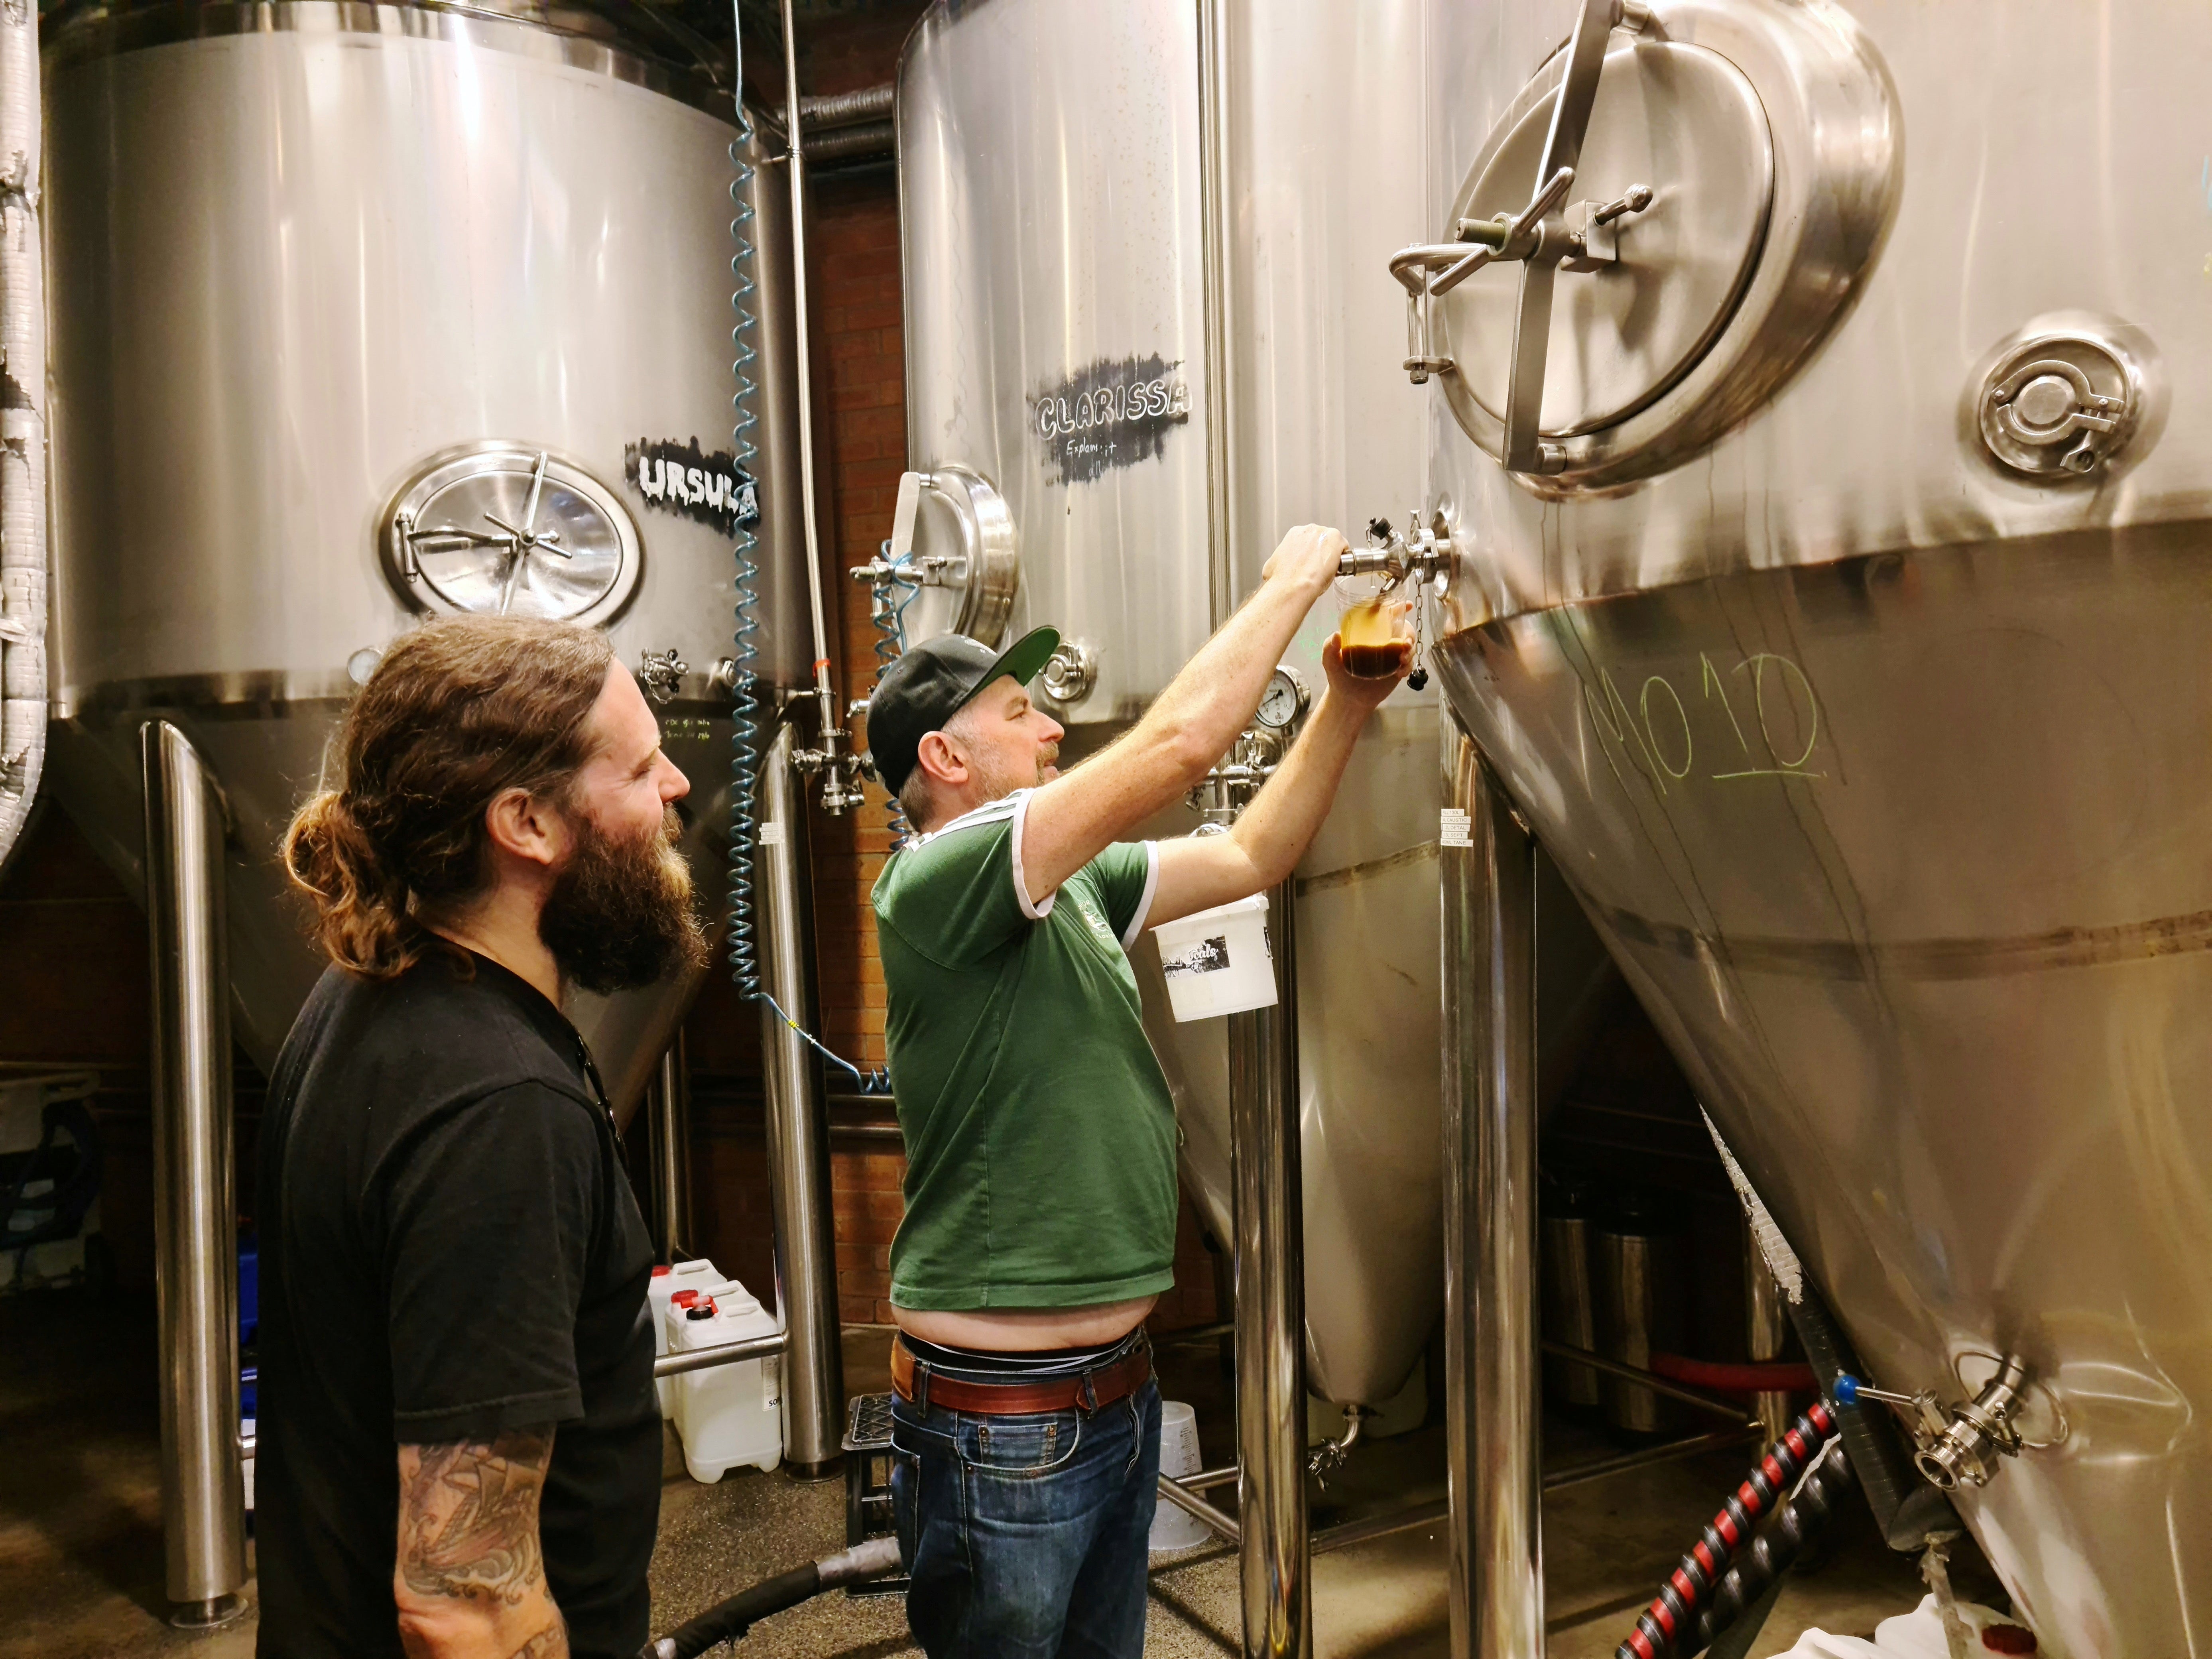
x=1040, y=1133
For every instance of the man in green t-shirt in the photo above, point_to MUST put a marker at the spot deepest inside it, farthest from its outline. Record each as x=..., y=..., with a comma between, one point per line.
x=1040, y=1135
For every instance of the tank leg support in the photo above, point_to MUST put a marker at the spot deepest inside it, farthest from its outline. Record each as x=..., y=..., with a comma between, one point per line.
x=797, y=1129
x=1492, y=1419
x=669, y=1135
x=1271, y=1313
x=195, y=1207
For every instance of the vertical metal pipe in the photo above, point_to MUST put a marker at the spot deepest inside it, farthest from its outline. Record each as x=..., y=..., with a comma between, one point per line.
x=795, y=161
x=1263, y=1046
x=671, y=1143
x=1216, y=237
x=798, y=1128
x=1269, y=1215
x=1492, y=1416
x=194, y=1210
x=1766, y=1329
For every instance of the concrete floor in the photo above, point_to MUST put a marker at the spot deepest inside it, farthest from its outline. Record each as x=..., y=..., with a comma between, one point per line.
x=81, y=1561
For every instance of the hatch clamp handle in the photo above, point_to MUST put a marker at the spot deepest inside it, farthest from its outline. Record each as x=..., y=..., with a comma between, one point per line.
x=1542, y=237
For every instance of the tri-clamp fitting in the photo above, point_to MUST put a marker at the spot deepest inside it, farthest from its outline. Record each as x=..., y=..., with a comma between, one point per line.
x=1964, y=1446
x=840, y=770
x=1423, y=551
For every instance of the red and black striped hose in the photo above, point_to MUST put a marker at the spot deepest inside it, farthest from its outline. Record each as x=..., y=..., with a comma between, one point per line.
x=1672, y=1613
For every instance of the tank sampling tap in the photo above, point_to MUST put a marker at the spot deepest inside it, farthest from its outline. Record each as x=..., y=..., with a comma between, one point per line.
x=1964, y=1445
x=838, y=767
x=1422, y=555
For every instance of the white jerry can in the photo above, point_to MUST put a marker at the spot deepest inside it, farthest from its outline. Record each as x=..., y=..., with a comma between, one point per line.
x=667, y=1281
x=727, y=1415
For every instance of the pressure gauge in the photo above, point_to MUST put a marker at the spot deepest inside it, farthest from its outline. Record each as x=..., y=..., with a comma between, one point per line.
x=510, y=530
x=1283, y=701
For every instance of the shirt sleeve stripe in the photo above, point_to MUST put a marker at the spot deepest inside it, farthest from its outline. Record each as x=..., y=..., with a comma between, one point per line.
x=1145, y=900
x=1033, y=911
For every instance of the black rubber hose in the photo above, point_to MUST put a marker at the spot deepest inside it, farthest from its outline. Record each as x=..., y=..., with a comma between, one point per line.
x=1664, y=1627
x=1908, y=1509
x=1754, y=1572
x=726, y=1622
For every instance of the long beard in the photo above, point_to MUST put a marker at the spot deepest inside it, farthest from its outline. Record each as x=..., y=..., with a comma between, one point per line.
x=620, y=914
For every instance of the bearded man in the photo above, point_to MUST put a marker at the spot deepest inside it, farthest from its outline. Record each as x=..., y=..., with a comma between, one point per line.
x=459, y=1446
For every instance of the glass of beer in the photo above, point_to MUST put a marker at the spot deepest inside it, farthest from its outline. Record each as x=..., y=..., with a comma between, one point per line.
x=1375, y=630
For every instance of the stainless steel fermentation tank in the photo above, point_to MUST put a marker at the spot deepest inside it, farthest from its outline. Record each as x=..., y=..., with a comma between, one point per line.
x=1832, y=604
x=329, y=280
x=1056, y=351
x=365, y=312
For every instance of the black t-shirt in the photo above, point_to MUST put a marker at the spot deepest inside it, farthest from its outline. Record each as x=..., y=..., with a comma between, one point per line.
x=449, y=1248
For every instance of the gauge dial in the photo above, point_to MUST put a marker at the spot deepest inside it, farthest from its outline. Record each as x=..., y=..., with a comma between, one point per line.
x=505, y=529
x=1283, y=701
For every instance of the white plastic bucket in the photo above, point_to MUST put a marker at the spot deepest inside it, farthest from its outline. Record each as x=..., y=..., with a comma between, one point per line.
x=1219, y=961
x=1175, y=1528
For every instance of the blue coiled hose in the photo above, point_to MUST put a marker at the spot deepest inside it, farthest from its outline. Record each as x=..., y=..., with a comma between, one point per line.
x=745, y=730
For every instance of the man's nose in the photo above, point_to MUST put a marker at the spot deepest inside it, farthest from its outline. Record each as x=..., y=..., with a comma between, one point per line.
x=674, y=786
x=1055, y=728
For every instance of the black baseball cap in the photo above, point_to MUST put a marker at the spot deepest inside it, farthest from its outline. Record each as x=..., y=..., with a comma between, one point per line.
x=931, y=682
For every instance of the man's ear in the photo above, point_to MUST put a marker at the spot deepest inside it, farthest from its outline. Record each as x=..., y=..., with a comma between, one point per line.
x=523, y=826
x=937, y=757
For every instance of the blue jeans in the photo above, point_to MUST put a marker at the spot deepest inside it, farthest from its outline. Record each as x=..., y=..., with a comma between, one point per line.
x=1025, y=1537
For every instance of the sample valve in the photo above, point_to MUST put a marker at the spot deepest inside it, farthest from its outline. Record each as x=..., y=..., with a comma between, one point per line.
x=1963, y=1447
x=1423, y=554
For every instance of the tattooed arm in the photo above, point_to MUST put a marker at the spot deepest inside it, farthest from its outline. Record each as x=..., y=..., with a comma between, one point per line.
x=469, y=1581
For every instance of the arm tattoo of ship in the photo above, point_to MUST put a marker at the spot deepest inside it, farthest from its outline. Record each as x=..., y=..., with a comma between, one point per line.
x=468, y=1516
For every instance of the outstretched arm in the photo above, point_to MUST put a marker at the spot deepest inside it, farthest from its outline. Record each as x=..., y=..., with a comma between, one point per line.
x=1272, y=834
x=469, y=1581
x=1191, y=725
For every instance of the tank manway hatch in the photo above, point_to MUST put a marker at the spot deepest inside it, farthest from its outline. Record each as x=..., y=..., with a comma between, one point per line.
x=1667, y=220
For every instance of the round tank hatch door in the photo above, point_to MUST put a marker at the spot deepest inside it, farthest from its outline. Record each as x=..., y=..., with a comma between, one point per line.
x=510, y=530
x=1716, y=179
x=1682, y=122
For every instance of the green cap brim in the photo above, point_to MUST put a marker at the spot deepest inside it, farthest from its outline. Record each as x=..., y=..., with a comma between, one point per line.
x=1024, y=659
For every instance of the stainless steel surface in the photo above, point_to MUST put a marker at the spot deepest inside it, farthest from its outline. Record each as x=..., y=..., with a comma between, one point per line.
x=295, y=253
x=670, y=1144
x=22, y=427
x=1570, y=1313
x=1218, y=60
x=478, y=530
x=1638, y=1278
x=798, y=1123
x=1611, y=343
x=1184, y=1496
x=1019, y=122
x=967, y=580
x=1024, y=299
x=1275, y=1576
x=723, y=1353
x=1494, y=1417
x=1929, y=938
x=829, y=712
x=195, y=1209
x=1715, y=298
x=1767, y=1332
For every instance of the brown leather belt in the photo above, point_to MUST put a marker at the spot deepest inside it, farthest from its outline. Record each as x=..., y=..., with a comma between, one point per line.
x=1086, y=1391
